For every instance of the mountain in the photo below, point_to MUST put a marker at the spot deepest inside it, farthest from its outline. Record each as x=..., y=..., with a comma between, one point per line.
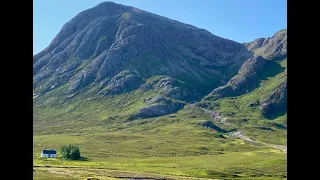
x=121, y=82
x=101, y=42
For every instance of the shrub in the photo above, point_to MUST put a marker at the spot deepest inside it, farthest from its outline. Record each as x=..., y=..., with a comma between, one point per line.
x=70, y=152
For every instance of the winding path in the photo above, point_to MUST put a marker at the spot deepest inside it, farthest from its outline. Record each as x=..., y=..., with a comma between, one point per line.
x=238, y=134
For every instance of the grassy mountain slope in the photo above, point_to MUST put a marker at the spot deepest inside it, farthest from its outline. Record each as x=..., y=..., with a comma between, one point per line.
x=174, y=145
x=244, y=111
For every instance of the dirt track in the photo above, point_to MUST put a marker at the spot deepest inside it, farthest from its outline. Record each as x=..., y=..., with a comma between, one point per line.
x=238, y=134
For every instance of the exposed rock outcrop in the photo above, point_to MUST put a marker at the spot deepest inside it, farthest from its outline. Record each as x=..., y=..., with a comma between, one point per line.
x=276, y=103
x=170, y=87
x=245, y=81
x=157, y=106
x=273, y=48
x=125, y=81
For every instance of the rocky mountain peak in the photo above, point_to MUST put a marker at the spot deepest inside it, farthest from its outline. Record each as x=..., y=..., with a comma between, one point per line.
x=272, y=47
x=109, y=38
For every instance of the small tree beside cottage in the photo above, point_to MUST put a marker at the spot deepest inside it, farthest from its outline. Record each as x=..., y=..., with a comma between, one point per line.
x=70, y=152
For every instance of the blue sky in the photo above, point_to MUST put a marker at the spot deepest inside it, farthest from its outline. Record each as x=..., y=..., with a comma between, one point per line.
x=239, y=20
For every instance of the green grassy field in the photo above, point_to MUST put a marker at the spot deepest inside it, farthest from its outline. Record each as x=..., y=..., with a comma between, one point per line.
x=170, y=145
x=268, y=164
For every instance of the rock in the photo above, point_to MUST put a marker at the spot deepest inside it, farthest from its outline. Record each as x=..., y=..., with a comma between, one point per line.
x=170, y=87
x=49, y=100
x=157, y=106
x=276, y=103
x=203, y=105
x=253, y=104
x=145, y=87
x=246, y=80
x=156, y=99
x=273, y=48
x=92, y=98
x=125, y=81
x=244, y=120
x=70, y=96
x=146, y=100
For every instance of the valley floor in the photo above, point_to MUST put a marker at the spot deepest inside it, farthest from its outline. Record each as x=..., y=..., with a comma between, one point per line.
x=267, y=164
x=167, y=154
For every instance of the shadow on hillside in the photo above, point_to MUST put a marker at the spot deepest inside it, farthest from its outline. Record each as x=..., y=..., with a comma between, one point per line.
x=279, y=58
x=274, y=115
x=273, y=69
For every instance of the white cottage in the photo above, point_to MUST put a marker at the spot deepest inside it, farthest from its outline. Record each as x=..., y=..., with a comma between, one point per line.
x=48, y=153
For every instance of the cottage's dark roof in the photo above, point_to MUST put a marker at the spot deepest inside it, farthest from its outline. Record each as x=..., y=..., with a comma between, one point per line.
x=48, y=151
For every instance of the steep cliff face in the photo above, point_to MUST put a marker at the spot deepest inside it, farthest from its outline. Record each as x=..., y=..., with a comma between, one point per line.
x=275, y=103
